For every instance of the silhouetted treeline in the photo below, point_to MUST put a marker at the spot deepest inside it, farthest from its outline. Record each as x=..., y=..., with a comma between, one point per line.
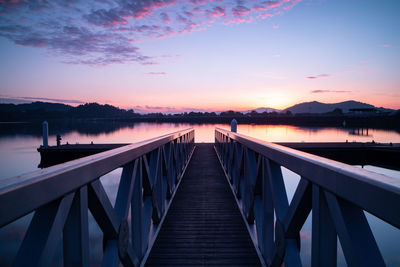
x=42, y=110
x=107, y=114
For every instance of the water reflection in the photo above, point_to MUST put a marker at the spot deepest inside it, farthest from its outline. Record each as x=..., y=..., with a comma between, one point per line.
x=359, y=131
x=18, y=143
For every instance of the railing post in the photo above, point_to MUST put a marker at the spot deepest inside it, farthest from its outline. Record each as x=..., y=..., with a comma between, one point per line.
x=267, y=216
x=137, y=213
x=45, y=134
x=76, y=231
x=324, y=239
x=234, y=126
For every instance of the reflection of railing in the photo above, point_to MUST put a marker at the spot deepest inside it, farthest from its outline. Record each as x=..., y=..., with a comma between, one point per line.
x=62, y=195
x=336, y=193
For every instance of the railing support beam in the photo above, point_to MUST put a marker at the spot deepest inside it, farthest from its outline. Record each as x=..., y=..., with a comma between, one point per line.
x=76, y=232
x=44, y=233
x=324, y=239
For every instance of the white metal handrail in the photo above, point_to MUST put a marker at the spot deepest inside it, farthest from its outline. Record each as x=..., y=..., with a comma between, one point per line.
x=336, y=193
x=61, y=196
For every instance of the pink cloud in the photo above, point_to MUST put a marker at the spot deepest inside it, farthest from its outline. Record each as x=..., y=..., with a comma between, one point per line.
x=292, y=4
x=105, y=33
x=272, y=4
x=216, y=12
x=197, y=10
x=156, y=73
x=266, y=15
x=318, y=76
x=267, y=5
x=165, y=17
x=239, y=11
x=329, y=91
x=188, y=14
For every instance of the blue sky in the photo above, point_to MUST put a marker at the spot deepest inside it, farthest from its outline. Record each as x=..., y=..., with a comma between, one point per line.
x=199, y=54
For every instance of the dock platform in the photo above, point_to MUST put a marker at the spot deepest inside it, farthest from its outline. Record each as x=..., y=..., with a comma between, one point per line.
x=203, y=226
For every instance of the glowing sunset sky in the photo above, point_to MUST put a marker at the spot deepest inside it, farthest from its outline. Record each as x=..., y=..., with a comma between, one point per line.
x=157, y=55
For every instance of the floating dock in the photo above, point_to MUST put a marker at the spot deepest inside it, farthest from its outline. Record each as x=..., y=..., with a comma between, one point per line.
x=353, y=153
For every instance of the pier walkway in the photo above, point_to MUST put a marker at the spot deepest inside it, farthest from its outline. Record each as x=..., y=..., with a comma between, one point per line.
x=184, y=204
x=203, y=226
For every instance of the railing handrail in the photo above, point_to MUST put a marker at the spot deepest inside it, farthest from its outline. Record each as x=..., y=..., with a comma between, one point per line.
x=336, y=194
x=373, y=192
x=31, y=190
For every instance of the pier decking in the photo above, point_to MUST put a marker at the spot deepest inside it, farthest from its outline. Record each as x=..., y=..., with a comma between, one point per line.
x=204, y=226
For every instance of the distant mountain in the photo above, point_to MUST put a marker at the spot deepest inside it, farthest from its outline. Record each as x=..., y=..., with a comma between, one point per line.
x=318, y=107
x=262, y=110
x=45, y=106
x=35, y=106
x=95, y=110
x=44, y=110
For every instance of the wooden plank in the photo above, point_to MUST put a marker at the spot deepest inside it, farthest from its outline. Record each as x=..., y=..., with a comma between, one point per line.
x=203, y=226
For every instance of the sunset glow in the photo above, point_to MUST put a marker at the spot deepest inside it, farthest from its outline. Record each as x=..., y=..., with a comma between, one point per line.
x=172, y=55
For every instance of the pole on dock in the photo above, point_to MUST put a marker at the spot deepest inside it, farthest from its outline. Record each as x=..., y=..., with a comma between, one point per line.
x=234, y=126
x=58, y=139
x=45, y=134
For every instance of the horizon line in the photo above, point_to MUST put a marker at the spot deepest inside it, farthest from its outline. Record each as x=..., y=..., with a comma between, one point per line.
x=146, y=109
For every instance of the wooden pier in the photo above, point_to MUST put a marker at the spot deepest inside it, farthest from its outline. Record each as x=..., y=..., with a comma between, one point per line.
x=204, y=226
x=183, y=204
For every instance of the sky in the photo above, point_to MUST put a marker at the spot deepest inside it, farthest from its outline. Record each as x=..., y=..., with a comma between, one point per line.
x=173, y=55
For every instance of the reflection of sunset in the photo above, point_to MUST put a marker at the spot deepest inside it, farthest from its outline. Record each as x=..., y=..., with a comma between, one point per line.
x=287, y=133
x=205, y=133
x=143, y=131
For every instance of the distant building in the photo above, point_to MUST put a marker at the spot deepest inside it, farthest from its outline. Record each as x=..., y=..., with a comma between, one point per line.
x=363, y=112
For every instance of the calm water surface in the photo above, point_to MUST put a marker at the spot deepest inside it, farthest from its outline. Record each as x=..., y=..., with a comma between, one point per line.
x=18, y=155
x=18, y=145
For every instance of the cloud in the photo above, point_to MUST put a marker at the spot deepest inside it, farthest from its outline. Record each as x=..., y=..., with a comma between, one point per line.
x=165, y=17
x=104, y=17
x=318, y=76
x=156, y=73
x=216, y=12
x=100, y=32
x=240, y=11
x=72, y=101
x=267, y=5
x=329, y=91
x=28, y=99
x=167, y=109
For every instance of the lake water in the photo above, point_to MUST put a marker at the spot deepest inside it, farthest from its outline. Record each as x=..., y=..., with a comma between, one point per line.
x=18, y=144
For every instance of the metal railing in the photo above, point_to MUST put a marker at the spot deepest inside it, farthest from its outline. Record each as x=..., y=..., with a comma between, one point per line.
x=336, y=193
x=62, y=195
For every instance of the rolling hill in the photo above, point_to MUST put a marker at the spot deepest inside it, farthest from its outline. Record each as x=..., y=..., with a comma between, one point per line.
x=318, y=107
